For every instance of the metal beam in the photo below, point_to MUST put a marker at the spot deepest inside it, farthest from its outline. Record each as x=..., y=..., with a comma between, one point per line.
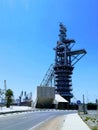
x=71, y=53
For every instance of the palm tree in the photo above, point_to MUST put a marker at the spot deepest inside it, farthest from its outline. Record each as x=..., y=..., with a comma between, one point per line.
x=9, y=95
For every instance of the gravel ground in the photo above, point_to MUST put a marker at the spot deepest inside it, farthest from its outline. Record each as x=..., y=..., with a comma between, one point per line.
x=54, y=124
x=91, y=119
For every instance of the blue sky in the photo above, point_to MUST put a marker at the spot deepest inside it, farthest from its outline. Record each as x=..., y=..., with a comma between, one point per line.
x=28, y=33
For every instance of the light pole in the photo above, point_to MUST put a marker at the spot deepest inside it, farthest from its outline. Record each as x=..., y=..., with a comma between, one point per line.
x=84, y=106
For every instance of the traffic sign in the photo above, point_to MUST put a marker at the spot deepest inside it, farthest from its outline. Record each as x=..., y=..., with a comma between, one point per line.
x=78, y=102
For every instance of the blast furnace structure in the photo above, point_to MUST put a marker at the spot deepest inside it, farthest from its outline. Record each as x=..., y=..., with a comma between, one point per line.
x=65, y=59
x=59, y=74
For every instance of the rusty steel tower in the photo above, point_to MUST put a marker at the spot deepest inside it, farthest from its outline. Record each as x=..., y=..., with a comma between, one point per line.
x=65, y=59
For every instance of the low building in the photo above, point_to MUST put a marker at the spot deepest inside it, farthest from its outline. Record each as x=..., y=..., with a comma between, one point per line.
x=46, y=98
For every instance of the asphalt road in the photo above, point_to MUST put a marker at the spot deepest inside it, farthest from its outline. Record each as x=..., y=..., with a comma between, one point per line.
x=27, y=121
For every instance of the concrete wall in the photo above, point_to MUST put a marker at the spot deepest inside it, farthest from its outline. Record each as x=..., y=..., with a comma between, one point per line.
x=47, y=92
x=45, y=96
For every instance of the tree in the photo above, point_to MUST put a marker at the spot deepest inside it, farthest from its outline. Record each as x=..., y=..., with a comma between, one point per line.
x=9, y=97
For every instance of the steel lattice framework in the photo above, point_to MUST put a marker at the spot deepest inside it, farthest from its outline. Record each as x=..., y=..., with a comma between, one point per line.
x=65, y=59
x=48, y=79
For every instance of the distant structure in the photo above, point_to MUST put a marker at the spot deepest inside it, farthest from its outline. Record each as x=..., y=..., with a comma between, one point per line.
x=2, y=93
x=65, y=59
x=5, y=86
x=24, y=98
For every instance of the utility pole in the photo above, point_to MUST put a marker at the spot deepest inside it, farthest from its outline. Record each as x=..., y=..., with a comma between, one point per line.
x=97, y=104
x=84, y=106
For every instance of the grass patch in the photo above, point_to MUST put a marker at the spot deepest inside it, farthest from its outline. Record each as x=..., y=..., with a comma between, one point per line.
x=87, y=118
x=95, y=128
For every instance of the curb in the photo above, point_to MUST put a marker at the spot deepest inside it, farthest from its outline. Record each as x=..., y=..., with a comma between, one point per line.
x=18, y=111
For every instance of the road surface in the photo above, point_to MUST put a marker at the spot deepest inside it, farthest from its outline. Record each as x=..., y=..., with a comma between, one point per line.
x=29, y=120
